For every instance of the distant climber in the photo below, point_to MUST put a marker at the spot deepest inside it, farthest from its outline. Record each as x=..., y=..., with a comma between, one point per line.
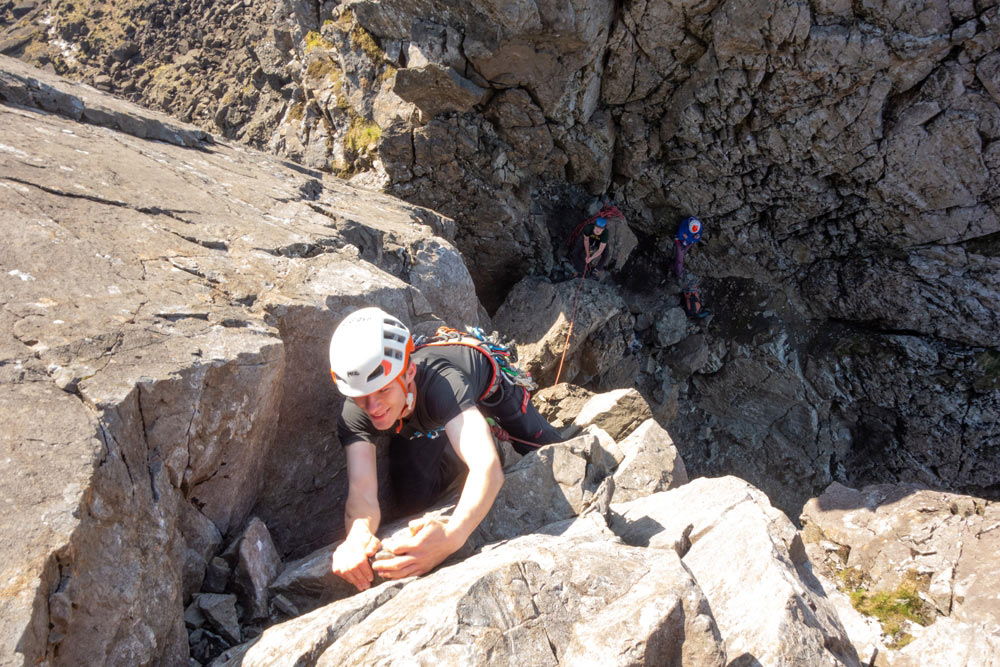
x=589, y=241
x=691, y=301
x=432, y=401
x=688, y=233
x=589, y=256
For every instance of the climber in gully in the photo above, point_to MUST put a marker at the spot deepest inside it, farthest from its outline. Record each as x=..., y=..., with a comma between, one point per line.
x=688, y=233
x=433, y=401
x=589, y=254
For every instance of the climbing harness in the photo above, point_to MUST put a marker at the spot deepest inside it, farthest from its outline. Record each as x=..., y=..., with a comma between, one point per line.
x=501, y=355
x=572, y=321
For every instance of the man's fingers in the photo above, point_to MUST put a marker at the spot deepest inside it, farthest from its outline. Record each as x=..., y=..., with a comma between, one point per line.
x=351, y=577
x=403, y=570
x=416, y=525
x=372, y=547
x=392, y=566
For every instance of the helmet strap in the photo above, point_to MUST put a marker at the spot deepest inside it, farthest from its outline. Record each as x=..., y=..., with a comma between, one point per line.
x=410, y=399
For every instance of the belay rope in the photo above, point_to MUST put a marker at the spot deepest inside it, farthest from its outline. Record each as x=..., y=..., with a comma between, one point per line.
x=572, y=322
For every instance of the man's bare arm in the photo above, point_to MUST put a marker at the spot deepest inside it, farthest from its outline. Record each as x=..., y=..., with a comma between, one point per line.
x=361, y=517
x=433, y=541
x=474, y=444
x=362, y=514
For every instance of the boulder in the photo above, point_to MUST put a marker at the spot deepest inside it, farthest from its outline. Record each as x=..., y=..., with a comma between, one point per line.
x=951, y=642
x=220, y=612
x=435, y=89
x=539, y=314
x=725, y=520
x=651, y=464
x=561, y=403
x=257, y=564
x=216, y=576
x=542, y=599
x=671, y=326
x=617, y=412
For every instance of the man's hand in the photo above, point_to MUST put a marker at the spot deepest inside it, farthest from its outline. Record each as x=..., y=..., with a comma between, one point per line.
x=429, y=544
x=350, y=560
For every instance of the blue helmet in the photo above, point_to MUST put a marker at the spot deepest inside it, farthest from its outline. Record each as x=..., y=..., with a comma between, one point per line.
x=601, y=222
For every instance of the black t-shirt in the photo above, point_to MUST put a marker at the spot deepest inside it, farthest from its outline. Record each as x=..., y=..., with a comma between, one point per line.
x=589, y=232
x=450, y=378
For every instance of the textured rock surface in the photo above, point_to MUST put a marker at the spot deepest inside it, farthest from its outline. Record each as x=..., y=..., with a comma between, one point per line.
x=710, y=522
x=537, y=315
x=949, y=642
x=537, y=599
x=651, y=464
x=844, y=158
x=257, y=564
x=163, y=309
x=943, y=542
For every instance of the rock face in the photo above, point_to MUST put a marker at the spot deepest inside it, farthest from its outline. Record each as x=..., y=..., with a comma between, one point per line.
x=940, y=545
x=841, y=156
x=164, y=308
x=945, y=542
x=166, y=299
x=745, y=555
x=573, y=592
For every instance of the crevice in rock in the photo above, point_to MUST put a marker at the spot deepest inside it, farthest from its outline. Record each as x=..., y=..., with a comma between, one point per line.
x=153, y=210
x=152, y=454
x=206, y=243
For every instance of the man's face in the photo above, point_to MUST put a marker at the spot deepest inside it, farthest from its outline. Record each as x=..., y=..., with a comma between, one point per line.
x=386, y=406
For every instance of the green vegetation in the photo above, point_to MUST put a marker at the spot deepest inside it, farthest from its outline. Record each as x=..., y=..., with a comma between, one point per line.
x=321, y=68
x=362, y=39
x=893, y=609
x=851, y=578
x=362, y=135
x=314, y=40
x=297, y=111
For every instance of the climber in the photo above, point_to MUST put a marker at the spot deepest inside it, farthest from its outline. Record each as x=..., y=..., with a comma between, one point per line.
x=432, y=402
x=589, y=255
x=688, y=233
x=691, y=300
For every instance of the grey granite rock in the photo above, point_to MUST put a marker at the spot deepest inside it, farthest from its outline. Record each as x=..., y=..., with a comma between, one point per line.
x=163, y=311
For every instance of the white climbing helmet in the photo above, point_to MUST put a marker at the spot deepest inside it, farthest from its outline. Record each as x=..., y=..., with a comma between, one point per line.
x=368, y=350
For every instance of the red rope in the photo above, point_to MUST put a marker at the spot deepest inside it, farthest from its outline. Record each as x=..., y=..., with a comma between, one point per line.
x=572, y=322
x=501, y=434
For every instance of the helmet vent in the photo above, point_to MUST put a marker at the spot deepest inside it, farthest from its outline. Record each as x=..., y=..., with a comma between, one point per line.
x=375, y=373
